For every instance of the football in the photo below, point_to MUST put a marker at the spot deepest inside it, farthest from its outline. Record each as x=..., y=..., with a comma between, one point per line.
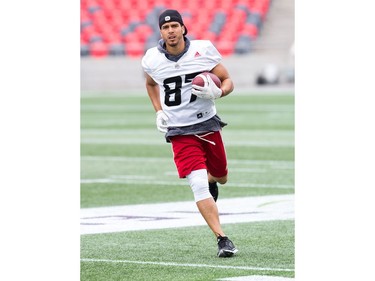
x=200, y=79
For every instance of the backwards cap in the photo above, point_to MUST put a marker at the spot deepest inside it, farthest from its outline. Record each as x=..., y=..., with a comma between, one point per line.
x=171, y=15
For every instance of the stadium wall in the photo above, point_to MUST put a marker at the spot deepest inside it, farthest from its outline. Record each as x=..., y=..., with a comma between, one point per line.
x=118, y=74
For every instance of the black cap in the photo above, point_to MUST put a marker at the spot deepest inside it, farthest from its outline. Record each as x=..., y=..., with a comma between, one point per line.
x=171, y=15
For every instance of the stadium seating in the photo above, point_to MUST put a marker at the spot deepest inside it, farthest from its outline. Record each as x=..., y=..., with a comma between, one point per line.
x=129, y=27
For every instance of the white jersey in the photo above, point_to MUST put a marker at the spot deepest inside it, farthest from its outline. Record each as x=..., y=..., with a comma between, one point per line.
x=174, y=80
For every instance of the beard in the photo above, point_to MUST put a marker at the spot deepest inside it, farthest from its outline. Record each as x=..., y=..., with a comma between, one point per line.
x=173, y=42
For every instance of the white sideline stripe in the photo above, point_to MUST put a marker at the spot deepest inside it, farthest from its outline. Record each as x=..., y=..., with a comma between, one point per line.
x=282, y=163
x=262, y=143
x=152, y=132
x=184, y=214
x=156, y=182
x=191, y=265
x=270, y=90
x=256, y=278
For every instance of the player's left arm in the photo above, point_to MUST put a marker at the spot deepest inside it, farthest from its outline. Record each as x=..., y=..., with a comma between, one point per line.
x=227, y=85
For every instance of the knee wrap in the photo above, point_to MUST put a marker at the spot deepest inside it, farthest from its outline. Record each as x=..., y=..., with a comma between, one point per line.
x=198, y=182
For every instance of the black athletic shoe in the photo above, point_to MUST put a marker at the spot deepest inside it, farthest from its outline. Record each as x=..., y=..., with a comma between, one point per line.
x=226, y=247
x=213, y=190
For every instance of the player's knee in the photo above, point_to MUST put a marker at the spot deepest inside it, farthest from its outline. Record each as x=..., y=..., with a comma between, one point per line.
x=222, y=180
x=198, y=182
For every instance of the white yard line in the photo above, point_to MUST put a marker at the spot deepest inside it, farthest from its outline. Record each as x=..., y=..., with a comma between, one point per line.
x=106, y=140
x=256, y=278
x=191, y=265
x=183, y=214
x=258, y=138
x=273, y=163
x=182, y=183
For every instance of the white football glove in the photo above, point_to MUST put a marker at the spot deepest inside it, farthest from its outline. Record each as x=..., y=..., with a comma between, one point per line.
x=161, y=121
x=209, y=91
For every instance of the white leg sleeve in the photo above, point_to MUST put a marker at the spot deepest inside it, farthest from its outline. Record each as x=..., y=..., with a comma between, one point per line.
x=198, y=182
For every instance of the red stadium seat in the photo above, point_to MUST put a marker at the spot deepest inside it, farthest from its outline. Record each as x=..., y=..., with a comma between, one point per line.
x=210, y=36
x=98, y=49
x=261, y=6
x=131, y=37
x=143, y=32
x=134, y=49
x=250, y=29
x=107, y=23
x=226, y=48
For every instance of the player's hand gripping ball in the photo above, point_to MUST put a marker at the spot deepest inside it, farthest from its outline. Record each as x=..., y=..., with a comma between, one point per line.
x=206, y=86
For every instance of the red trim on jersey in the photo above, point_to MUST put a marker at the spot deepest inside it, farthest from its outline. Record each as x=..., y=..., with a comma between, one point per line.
x=193, y=153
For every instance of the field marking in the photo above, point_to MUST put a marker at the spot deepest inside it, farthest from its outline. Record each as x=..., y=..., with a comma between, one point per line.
x=183, y=214
x=268, y=90
x=180, y=183
x=256, y=278
x=191, y=265
x=283, y=163
x=151, y=131
x=257, y=138
x=260, y=143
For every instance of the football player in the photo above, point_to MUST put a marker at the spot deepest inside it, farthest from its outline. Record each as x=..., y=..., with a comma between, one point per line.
x=186, y=113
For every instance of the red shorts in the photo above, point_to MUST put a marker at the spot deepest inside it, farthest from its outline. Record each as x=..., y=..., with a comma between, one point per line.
x=204, y=152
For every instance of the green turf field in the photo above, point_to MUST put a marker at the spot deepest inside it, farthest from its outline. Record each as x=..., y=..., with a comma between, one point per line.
x=125, y=161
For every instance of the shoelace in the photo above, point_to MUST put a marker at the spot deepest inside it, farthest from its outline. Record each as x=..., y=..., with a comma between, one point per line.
x=205, y=135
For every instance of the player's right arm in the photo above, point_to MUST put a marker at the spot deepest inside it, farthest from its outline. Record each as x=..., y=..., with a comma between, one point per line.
x=153, y=92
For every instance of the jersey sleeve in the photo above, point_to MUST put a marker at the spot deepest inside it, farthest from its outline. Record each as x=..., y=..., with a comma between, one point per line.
x=151, y=61
x=144, y=63
x=212, y=54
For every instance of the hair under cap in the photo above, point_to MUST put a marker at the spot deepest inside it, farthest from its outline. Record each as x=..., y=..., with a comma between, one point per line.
x=171, y=15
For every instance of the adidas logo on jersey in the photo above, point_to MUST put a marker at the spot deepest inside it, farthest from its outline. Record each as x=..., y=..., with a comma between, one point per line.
x=197, y=54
